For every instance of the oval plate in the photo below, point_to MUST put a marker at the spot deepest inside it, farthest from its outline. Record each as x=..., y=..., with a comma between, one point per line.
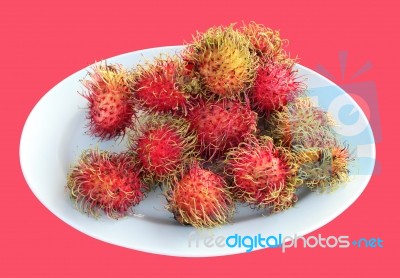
x=54, y=136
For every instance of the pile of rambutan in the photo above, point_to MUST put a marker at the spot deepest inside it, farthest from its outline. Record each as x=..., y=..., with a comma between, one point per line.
x=225, y=121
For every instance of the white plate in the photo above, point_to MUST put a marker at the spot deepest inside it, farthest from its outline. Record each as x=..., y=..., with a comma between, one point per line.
x=53, y=138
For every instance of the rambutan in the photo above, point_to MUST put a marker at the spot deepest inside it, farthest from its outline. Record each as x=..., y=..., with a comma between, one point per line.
x=221, y=125
x=189, y=79
x=105, y=181
x=302, y=123
x=159, y=86
x=275, y=85
x=263, y=175
x=323, y=169
x=265, y=41
x=201, y=199
x=111, y=105
x=164, y=147
x=223, y=59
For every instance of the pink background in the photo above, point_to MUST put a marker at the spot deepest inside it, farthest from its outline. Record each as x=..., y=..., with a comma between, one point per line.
x=42, y=42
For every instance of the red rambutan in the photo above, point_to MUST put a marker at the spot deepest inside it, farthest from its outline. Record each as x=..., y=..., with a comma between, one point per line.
x=159, y=87
x=163, y=148
x=221, y=125
x=111, y=105
x=274, y=87
x=201, y=199
x=263, y=174
x=105, y=181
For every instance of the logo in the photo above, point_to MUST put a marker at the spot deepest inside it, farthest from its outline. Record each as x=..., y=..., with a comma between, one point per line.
x=351, y=126
x=249, y=243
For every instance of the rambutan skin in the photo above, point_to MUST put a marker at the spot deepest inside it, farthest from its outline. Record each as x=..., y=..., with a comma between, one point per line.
x=111, y=105
x=265, y=41
x=224, y=61
x=323, y=169
x=301, y=123
x=159, y=150
x=275, y=85
x=163, y=148
x=105, y=181
x=159, y=87
x=221, y=125
x=189, y=78
x=201, y=199
x=263, y=174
